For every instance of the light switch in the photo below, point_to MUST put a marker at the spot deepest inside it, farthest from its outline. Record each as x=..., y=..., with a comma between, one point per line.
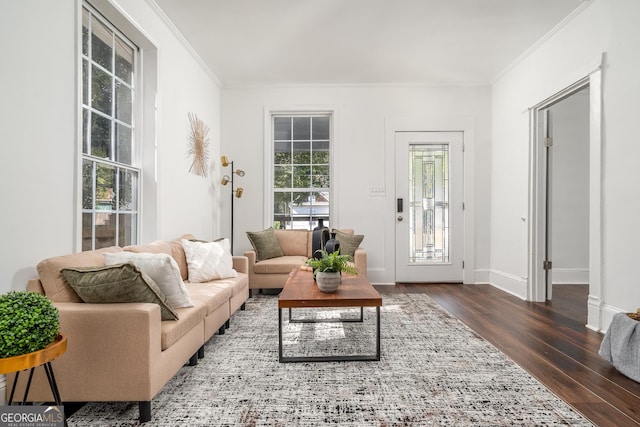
x=376, y=192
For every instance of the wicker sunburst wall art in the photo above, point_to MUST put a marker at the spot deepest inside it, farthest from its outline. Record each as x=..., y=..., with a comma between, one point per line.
x=198, y=146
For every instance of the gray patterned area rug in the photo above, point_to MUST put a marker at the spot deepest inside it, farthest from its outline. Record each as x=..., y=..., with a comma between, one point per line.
x=433, y=371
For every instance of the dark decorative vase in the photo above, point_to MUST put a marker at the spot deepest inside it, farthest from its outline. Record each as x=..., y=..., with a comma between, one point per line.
x=332, y=245
x=319, y=239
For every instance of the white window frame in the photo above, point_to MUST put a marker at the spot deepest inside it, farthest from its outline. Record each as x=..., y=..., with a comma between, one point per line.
x=145, y=118
x=134, y=168
x=269, y=113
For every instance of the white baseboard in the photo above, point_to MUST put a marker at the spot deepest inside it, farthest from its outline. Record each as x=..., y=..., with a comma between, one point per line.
x=594, y=313
x=481, y=276
x=377, y=276
x=608, y=311
x=600, y=315
x=514, y=285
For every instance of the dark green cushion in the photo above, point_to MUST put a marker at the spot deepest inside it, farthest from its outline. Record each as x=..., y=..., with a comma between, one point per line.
x=265, y=243
x=117, y=283
x=348, y=242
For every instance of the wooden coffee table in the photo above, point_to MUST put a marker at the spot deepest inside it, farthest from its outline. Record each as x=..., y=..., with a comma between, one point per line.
x=301, y=291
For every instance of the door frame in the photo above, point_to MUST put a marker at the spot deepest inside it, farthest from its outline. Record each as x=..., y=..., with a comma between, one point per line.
x=436, y=123
x=449, y=271
x=536, y=284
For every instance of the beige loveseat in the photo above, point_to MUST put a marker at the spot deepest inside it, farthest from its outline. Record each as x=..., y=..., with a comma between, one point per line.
x=296, y=246
x=124, y=351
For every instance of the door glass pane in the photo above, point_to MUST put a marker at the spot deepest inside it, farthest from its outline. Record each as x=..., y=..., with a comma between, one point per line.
x=428, y=203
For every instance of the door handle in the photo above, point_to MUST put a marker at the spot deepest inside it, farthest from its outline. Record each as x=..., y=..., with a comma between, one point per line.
x=399, y=205
x=400, y=218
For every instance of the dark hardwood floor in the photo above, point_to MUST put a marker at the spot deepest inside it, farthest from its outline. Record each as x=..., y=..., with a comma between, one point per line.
x=549, y=340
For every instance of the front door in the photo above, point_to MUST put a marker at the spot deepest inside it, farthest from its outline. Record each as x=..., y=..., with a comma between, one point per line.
x=429, y=206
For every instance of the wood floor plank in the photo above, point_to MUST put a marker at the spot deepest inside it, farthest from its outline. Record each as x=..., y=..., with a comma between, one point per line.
x=549, y=340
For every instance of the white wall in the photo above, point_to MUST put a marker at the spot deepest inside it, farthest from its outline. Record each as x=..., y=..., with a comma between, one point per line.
x=621, y=171
x=570, y=54
x=38, y=113
x=361, y=156
x=38, y=133
x=186, y=203
x=570, y=190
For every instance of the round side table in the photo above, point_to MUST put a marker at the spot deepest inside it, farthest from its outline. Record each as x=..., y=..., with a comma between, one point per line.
x=33, y=360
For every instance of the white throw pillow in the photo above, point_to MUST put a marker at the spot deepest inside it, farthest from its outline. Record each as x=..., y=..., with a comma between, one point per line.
x=208, y=261
x=162, y=268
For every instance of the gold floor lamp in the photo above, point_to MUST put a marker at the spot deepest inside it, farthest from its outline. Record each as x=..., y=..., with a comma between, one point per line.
x=235, y=192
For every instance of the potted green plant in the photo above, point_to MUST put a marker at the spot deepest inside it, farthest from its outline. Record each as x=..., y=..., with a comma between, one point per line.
x=29, y=322
x=328, y=268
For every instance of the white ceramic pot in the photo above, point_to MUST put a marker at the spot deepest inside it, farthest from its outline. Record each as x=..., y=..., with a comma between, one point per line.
x=328, y=282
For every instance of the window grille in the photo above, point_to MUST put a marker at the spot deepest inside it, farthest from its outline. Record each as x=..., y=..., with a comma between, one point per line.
x=301, y=170
x=110, y=164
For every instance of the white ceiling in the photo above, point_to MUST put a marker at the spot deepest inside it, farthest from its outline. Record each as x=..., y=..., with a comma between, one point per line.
x=433, y=42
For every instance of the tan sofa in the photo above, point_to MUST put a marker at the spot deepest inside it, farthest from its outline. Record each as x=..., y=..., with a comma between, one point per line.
x=123, y=351
x=296, y=245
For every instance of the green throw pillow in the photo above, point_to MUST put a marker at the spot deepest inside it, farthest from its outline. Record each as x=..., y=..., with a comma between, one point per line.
x=117, y=283
x=265, y=244
x=348, y=242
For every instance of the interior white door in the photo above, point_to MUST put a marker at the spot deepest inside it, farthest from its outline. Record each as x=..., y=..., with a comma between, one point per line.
x=429, y=207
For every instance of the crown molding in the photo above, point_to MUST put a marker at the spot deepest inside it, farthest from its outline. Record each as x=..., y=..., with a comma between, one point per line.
x=577, y=11
x=176, y=32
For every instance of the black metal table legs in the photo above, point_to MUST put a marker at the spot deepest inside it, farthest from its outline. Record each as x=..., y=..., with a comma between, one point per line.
x=329, y=358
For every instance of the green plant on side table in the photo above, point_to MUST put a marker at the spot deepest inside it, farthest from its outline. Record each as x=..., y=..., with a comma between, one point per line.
x=328, y=268
x=29, y=322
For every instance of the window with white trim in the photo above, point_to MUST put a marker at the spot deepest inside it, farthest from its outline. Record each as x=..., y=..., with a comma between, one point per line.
x=301, y=170
x=110, y=161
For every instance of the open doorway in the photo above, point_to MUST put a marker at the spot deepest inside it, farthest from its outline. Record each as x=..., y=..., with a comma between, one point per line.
x=567, y=234
x=565, y=240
